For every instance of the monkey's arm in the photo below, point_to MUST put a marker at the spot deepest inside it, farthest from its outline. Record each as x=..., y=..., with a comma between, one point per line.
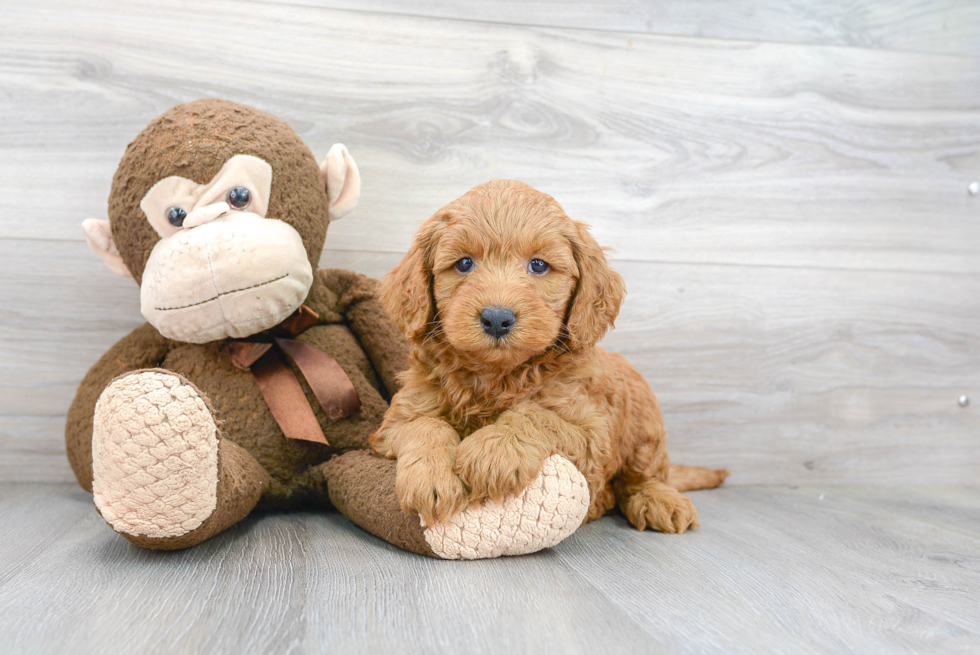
x=144, y=347
x=382, y=341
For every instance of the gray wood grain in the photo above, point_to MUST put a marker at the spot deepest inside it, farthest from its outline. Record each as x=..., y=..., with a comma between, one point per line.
x=677, y=150
x=949, y=26
x=792, y=220
x=814, y=569
x=949, y=508
x=783, y=375
x=803, y=570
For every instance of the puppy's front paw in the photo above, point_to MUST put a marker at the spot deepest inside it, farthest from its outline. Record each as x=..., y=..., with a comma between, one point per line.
x=426, y=485
x=495, y=463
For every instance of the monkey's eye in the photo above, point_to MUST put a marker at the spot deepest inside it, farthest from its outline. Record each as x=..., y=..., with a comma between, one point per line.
x=176, y=216
x=239, y=197
x=465, y=265
x=538, y=267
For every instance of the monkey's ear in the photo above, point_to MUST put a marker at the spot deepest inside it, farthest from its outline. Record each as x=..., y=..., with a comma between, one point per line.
x=99, y=237
x=343, y=181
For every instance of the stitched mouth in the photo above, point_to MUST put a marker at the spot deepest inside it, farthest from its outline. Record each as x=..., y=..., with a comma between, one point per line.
x=223, y=293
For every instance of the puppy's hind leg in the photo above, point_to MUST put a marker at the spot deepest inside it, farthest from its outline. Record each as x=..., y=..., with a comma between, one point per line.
x=691, y=478
x=653, y=504
x=644, y=483
x=644, y=494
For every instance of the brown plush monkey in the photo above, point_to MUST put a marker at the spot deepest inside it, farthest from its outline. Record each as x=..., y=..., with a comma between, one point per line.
x=256, y=372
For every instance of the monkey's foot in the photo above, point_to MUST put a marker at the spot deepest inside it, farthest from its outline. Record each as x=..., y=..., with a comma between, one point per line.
x=551, y=508
x=154, y=455
x=158, y=477
x=362, y=486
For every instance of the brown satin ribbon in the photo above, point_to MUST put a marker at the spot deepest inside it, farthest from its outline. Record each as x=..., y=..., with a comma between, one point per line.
x=301, y=320
x=331, y=386
x=285, y=398
x=280, y=388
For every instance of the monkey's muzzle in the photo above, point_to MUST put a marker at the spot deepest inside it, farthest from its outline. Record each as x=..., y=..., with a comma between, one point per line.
x=229, y=277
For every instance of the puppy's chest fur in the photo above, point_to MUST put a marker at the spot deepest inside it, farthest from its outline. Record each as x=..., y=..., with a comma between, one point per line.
x=475, y=408
x=470, y=401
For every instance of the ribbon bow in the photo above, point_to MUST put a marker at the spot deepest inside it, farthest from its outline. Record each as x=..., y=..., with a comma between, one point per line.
x=279, y=386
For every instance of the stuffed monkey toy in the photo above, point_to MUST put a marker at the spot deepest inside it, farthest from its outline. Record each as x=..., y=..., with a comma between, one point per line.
x=257, y=379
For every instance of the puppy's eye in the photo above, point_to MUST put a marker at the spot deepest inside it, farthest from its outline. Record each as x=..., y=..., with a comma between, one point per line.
x=239, y=197
x=538, y=267
x=465, y=265
x=176, y=216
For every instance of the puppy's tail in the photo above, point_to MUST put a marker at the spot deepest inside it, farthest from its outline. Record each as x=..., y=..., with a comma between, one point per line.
x=690, y=478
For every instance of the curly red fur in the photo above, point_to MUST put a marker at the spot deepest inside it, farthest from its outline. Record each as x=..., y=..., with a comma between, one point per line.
x=479, y=414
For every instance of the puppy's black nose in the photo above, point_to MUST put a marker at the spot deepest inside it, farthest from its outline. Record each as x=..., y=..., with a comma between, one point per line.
x=497, y=321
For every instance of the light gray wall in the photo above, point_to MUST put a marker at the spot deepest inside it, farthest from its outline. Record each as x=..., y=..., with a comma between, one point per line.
x=785, y=189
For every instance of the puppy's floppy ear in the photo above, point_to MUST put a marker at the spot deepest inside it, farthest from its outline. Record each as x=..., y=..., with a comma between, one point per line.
x=405, y=291
x=599, y=292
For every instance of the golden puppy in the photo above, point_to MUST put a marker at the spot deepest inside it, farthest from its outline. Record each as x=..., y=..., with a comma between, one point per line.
x=503, y=298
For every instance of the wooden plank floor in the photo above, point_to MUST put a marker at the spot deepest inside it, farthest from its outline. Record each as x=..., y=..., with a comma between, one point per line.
x=772, y=569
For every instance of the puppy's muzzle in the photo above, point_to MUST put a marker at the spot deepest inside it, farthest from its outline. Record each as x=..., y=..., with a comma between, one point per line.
x=497, y=321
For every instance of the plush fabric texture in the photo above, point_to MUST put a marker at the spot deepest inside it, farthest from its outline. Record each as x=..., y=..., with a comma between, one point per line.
x=142, y=348
x=225, y=280
x=98, y=235
x=343, y=178
x=362, y=487
x=176, y=191
x=241, y=482
x=235, y=397
x=547, y=511
x=193, y=141
x=154, y=455
x=224, y=272
x=197, y=424
x=257, y=464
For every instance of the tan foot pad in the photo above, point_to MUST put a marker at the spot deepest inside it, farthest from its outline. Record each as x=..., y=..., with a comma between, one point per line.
x=548, y=510
x=154, y=455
